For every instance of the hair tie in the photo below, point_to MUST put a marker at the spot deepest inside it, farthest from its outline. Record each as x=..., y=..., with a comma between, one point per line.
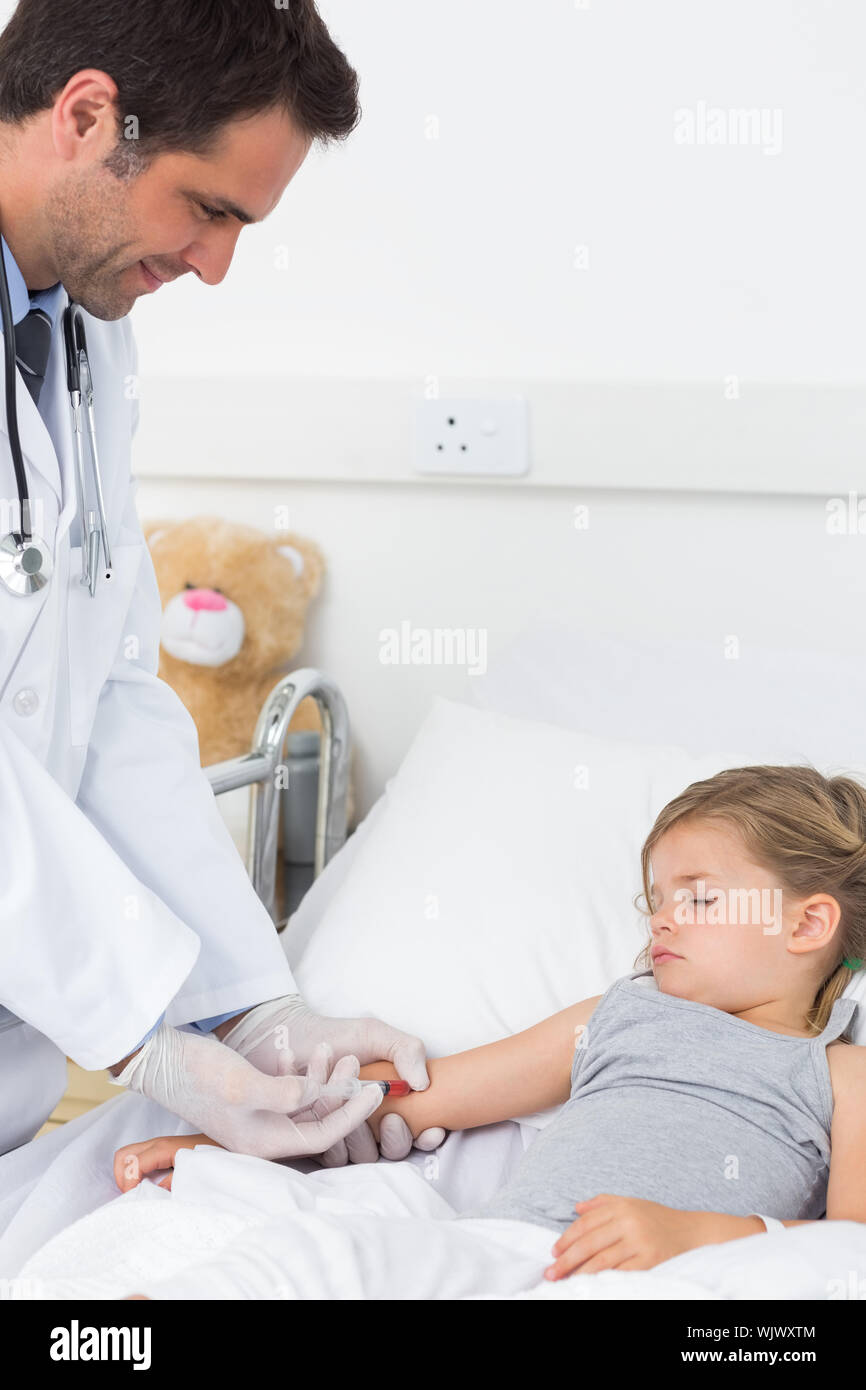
x=853, y=963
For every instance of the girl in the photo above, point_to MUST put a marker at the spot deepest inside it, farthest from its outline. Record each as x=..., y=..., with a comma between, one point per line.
x=704, y=1091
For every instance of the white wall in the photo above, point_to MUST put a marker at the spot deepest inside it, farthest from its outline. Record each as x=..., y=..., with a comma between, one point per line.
x=553, y=231
x=456, y=255
x=764, y=570
x=459, y=257
x=525, y=210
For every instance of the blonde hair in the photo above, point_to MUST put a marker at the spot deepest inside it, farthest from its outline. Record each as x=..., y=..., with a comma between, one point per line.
x=807, y=829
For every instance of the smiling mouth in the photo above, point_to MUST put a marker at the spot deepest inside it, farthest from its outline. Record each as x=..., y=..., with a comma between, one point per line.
x=153, y=278
x=152, y=281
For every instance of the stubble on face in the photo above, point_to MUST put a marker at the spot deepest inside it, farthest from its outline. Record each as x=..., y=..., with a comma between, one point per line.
x=91, y=234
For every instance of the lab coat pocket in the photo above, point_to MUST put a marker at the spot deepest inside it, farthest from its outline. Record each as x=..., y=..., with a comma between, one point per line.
x=95, y=629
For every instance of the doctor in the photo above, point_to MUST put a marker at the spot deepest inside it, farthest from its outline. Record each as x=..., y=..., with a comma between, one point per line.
x=135, y=142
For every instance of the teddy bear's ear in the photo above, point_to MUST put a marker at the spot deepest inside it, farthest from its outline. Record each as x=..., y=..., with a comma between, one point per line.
x=308, y=561
x=155, y=530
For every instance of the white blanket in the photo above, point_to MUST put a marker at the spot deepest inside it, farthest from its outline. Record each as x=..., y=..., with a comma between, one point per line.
x=240, y=1227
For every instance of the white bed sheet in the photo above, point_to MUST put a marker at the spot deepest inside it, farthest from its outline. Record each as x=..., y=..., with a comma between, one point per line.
x=236, y=1227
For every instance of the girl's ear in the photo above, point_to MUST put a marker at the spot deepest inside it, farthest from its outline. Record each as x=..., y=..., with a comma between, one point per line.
x=819, y=918
x=307, y=559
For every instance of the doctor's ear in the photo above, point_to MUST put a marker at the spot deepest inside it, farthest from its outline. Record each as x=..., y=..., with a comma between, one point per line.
x=83, y=114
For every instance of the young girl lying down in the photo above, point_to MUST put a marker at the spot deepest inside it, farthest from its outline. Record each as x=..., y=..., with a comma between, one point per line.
x=707, y=1088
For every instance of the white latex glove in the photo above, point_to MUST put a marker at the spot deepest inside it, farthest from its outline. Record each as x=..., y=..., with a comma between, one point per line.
x=395, y=1142
x=242, y=1108
x=345, y=1069
x=278, y=1026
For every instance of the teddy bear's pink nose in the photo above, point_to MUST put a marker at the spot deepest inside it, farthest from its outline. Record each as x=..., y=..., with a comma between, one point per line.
x=204, y=598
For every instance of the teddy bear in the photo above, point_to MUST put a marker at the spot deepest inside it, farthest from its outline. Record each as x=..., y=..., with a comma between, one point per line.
x=234, y=602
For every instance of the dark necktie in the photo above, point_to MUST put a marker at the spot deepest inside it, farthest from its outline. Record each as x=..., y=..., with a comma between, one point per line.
x=32, y=346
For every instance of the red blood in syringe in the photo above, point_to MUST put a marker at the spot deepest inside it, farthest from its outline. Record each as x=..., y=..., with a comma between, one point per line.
x=389, y=1088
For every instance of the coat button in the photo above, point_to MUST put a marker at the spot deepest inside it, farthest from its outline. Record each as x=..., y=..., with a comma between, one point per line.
x=26, y=701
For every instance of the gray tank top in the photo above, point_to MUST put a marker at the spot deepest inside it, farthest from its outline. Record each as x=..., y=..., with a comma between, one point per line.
x=684, y=1104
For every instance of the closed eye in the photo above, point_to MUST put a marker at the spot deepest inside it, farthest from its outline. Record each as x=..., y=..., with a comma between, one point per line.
x=213, y=214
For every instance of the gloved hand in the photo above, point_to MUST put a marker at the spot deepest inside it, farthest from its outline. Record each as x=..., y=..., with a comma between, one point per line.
x=278, y=1026
x=344, y=1069
x=241, y=1107
x=395, y=1141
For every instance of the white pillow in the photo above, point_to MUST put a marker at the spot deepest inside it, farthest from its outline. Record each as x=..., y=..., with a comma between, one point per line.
x=496, y=885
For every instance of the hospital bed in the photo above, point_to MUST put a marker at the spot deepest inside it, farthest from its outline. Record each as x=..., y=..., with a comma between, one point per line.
x=500, y=890
x=257, y=770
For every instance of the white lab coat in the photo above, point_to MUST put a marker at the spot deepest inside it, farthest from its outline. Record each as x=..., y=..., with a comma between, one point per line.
x=121, y=893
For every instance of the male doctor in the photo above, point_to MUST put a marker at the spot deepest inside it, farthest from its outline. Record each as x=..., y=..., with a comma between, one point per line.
x=135, y=142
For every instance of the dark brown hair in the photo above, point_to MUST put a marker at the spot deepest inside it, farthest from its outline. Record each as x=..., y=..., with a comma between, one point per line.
x=183, y=68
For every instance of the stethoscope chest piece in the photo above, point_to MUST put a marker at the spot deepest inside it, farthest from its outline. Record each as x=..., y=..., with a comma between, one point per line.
x=24, y=568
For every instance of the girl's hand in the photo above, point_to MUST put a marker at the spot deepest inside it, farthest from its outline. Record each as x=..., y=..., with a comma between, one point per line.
x=622, y=1233
x=135, y=1161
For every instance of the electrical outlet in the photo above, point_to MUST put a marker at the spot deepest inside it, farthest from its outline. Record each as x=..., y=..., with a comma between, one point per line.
x=480, y=438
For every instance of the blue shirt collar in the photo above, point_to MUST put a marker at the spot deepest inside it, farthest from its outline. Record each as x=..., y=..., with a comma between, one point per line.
x=21, y=299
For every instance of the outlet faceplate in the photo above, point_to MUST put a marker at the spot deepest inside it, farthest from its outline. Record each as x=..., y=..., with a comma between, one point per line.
x=475, y=438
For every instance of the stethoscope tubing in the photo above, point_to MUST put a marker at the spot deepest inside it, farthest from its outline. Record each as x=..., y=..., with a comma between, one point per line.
x=12, y=404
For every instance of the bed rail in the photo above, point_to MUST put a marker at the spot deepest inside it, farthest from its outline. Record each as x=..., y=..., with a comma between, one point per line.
x=262, y=768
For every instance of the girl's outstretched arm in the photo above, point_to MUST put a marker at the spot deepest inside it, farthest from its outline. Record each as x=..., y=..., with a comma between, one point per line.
x=516, y=1076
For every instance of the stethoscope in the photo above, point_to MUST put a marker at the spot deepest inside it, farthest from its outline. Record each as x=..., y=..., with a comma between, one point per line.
x=25, y=559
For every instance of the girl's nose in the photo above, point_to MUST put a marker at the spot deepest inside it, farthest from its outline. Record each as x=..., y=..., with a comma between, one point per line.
x=204, y=599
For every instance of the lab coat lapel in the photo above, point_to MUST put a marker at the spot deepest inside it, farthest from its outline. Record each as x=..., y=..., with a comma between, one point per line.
x=107, y=345
x=112, y=396
x=18, y=615
x=36, y=446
